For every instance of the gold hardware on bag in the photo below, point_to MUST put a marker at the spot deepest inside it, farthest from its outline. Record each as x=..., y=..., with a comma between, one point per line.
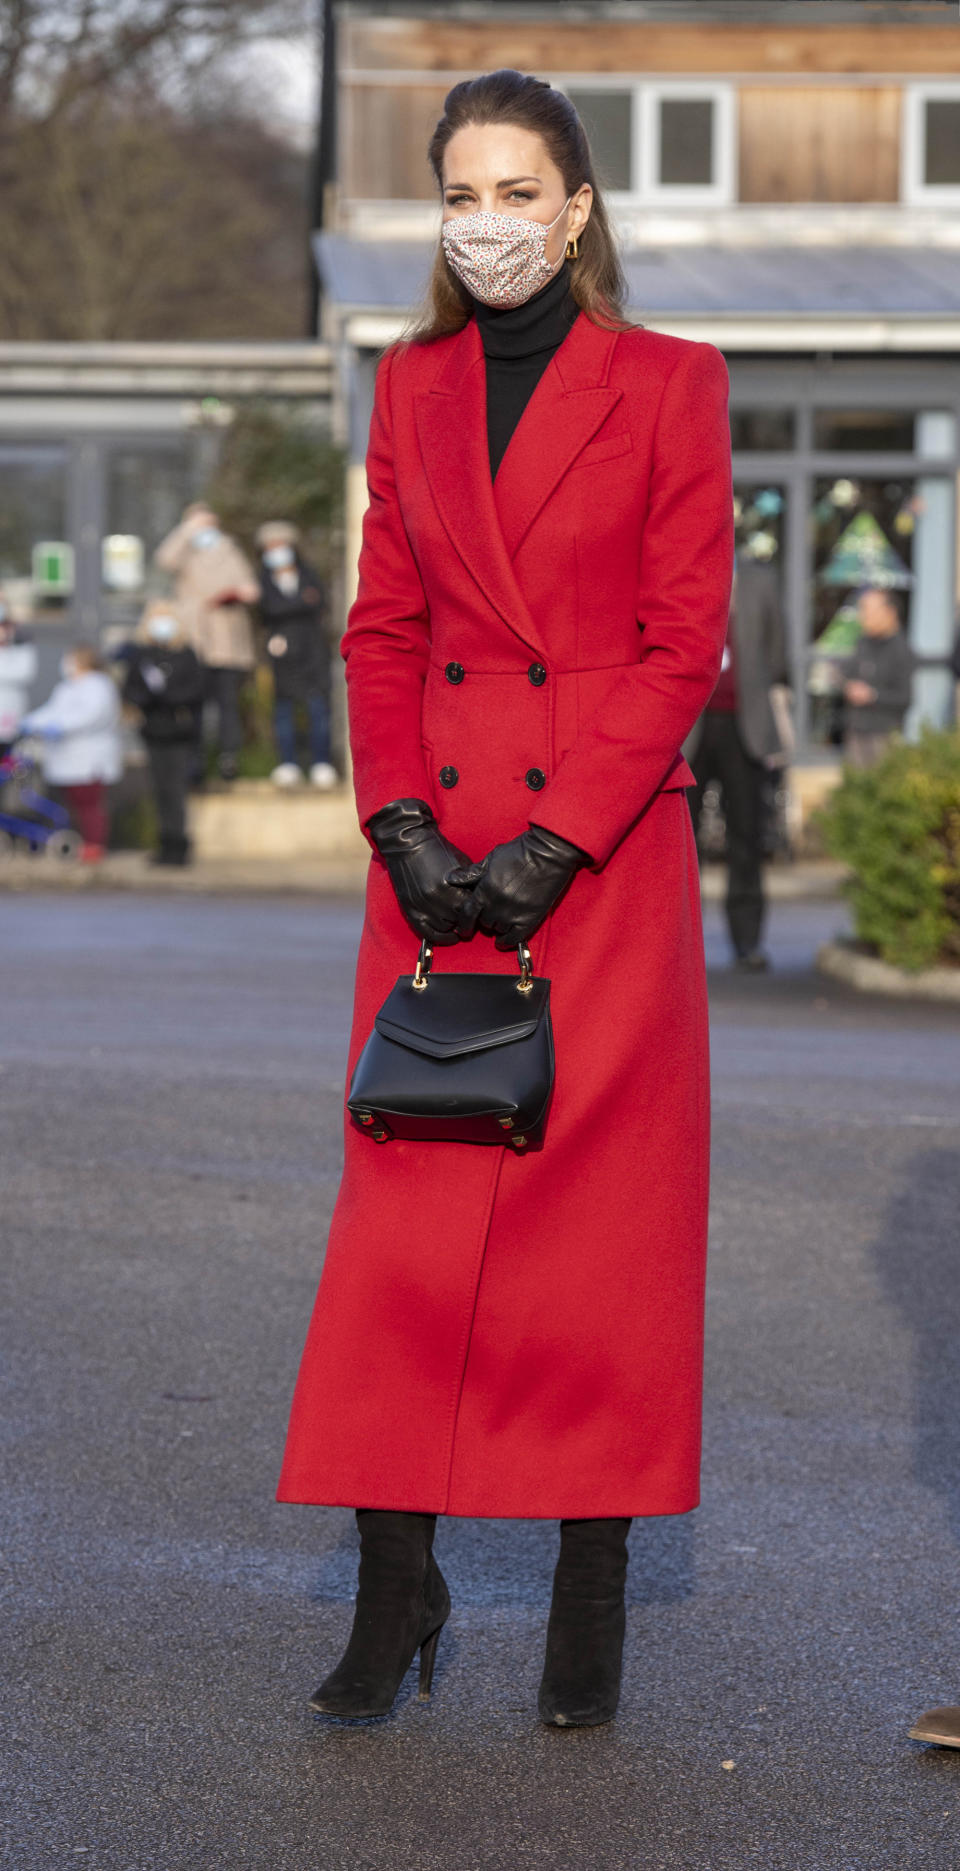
x=422, y=970
x=525, y=983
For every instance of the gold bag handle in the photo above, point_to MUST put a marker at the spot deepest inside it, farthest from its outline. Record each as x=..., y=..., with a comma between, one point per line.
x=425, y=963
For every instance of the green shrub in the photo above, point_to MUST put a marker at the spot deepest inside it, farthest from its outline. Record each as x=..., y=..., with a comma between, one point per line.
x=897, y=825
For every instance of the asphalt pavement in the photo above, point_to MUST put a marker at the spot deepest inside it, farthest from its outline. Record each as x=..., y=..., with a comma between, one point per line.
x=170, y=1081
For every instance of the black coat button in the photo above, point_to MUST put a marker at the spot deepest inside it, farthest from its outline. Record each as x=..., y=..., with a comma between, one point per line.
x=537, y=675
x=536, y=779
x=448, y=777
x=454, y=672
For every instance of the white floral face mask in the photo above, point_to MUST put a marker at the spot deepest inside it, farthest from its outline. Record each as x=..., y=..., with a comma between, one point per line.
x=501, y=258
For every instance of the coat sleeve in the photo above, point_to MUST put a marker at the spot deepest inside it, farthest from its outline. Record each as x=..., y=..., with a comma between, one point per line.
x=169, y=554
x=625, y=751
x=894, y=684
x=77, y=707
x=775, y=629
x=386, y=645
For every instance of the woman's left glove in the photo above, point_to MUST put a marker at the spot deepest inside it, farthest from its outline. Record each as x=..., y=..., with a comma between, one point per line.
x=518, y=883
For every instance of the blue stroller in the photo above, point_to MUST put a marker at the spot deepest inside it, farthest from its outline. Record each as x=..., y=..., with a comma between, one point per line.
x=28, y=821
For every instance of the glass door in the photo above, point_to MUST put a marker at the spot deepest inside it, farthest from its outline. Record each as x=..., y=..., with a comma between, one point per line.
x=36, y=558
x=893, y=531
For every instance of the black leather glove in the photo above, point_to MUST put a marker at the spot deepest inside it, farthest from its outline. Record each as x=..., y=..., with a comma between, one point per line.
x=518, y=884
x=419, y=860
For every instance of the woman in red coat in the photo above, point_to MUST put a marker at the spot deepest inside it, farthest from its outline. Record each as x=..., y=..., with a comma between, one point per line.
x=544, y=588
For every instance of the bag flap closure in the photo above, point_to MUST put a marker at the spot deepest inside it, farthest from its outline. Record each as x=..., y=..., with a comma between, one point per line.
x=461, y=1013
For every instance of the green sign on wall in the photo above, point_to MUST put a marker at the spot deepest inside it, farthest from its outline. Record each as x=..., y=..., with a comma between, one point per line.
x=52, y=568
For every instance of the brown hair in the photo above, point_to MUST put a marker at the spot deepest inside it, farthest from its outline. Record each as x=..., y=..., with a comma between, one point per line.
x=86, y=656
x=596, y=277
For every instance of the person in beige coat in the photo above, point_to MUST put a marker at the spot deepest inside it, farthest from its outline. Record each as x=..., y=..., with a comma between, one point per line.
x=214, y=584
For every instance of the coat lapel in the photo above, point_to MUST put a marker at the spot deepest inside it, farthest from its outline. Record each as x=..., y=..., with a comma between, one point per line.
x=452, y=430
x=488, y=524
x=565, y=411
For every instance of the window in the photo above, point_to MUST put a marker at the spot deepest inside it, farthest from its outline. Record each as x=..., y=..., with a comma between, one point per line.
x=685, y=153
x=665, y=142
x=941, y=151
x=145, y=493
x=35, y=555
x=864, y=431
x=931, y=144
x=687, y=144
x=764, y=430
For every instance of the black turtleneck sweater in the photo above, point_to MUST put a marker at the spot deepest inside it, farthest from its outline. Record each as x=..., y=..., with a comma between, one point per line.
x=518, y=344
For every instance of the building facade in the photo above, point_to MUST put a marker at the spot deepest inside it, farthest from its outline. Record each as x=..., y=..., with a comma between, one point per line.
x=101, y=447
x=786, y=187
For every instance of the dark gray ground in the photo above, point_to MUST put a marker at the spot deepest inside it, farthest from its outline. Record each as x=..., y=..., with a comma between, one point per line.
x=168, y=1098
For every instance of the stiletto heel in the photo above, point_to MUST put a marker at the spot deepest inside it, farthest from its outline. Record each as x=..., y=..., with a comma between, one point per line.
x=402, y=1605
x=428, y=1657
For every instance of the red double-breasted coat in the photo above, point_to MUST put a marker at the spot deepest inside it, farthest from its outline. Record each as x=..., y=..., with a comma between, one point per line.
x=501, y=1334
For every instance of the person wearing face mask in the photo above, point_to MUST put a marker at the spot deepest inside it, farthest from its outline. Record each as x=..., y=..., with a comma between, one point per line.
x=81, y=754
x=164, y=682
x=544, y=588
x=18, y=669
x=214, y=584
x=294, y=612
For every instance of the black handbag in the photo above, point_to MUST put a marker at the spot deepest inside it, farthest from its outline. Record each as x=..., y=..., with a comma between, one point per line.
x=466, y=1058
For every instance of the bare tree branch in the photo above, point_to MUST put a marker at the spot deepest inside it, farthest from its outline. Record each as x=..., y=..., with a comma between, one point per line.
x=54, y=52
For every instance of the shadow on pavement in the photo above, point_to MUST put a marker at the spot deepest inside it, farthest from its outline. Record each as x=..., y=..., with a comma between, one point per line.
x=916, y=1256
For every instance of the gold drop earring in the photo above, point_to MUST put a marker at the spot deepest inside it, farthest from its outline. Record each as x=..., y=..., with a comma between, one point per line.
x=573, y=248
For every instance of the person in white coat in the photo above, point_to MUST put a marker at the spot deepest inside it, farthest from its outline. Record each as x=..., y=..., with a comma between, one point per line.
x=79, y=727
x=18, y=668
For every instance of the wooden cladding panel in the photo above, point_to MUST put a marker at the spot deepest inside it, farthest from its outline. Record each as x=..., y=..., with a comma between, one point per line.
x=635, y=49
x=829, y=144
x=384, y=141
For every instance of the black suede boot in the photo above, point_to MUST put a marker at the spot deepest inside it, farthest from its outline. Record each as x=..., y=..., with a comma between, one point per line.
x=581, y=1673
x=402, y=1604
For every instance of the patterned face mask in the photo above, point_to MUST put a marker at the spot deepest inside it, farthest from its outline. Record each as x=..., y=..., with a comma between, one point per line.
x=501, y=258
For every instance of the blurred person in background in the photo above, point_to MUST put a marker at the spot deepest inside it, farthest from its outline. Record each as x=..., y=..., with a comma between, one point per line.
x=738, y=742
x=164, y=681
x=878, y=679
x=18, y=669
x=214, y=584
x=294, y=612
x=79, y=728
x=543, y=593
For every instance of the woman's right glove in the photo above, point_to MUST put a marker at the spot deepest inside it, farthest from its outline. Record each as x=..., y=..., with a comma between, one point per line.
x=418, y=859
x=518, y=883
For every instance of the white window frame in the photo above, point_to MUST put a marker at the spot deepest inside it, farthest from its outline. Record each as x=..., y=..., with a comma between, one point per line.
x=646, y=189
x=914, y=191
x=716, y=194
